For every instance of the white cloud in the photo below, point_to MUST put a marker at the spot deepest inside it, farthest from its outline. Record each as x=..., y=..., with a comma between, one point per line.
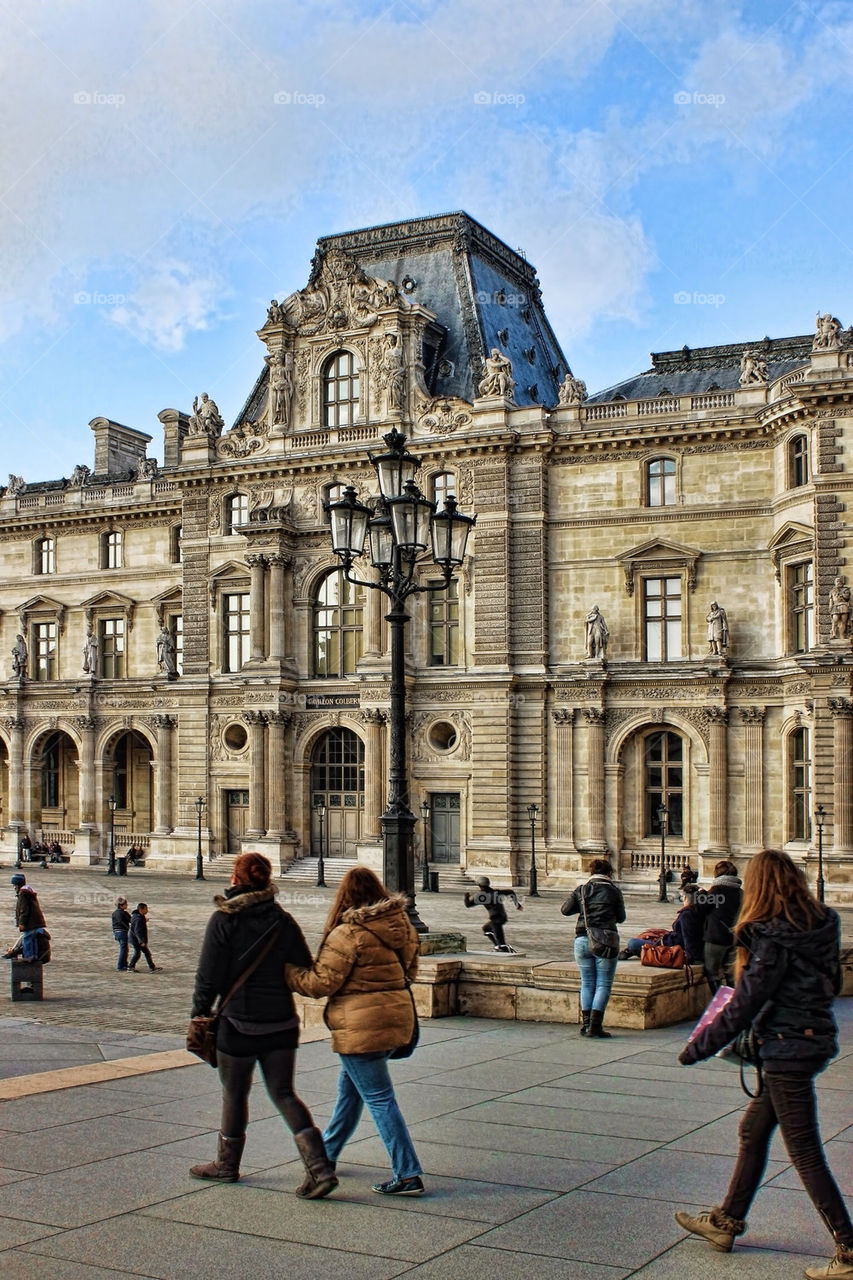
x=169, y=304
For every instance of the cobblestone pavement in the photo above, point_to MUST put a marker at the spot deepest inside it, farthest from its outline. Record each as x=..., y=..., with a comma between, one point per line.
x=83, y=988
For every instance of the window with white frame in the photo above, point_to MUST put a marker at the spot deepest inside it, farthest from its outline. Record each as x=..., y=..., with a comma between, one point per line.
x=44, y=650
x=801, y=607
x=44, y=557
x=444, y=626
x=111, y=635
x=236, y=513
x=112, y=549
x=235, y=629
x=340, y=389
x=798, y=462
x=799, y=789
x=660, y=482
x=443, y=487
x=338, y=622
x=662, y=612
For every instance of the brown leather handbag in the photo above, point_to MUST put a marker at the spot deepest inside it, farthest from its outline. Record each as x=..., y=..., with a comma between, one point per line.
x=659, y=956
x=201, y=1032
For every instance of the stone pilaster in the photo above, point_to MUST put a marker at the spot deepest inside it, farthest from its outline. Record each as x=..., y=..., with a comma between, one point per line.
x=86, y=782
x=257, y=607
x=718, y=812
x=753, y=777
x=278, y=632
x=373, y=627
x=561, y=819
x=374, y=770
x=842, y=740
x=595, y=778
x=256, y=720
x=15, y=725
x=163, y=813
x=278, y=779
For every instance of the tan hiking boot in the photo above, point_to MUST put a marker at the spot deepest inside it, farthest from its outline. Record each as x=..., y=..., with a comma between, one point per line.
x=716, y=1227
x=838, y=1268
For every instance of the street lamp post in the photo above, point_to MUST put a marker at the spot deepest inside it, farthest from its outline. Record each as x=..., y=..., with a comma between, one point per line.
x=400, y=527
x=663, y=813
x=425, y=885
x=320, y=810
x=532, y=810
x=111, y=866
x=819, y=817
x=199, y=861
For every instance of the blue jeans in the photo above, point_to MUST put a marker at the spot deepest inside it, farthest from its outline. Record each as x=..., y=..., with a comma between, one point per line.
x=365, y=1078
x=30, y=945
x=120, y=936
x=596, y=976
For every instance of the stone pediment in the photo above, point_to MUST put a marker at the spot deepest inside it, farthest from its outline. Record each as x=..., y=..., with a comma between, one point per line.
x=171, y=599
x=668, y=557
x=106, y=602
x=233, y=571
x=791, y=535
x=44, y=606
x=339, y=296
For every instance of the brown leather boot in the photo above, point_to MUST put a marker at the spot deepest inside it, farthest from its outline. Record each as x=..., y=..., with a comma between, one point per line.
x=596, y=1030
x=226, y=1166
x=320, y=1176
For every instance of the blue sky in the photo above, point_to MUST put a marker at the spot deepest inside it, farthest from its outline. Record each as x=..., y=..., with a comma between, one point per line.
x=678, y=171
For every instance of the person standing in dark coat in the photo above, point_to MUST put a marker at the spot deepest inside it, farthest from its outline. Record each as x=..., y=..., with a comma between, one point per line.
x=721, y=903
x=605, y=908
x=789, y=972
x=259, y=1023
x=121, y=932
x=139, y=939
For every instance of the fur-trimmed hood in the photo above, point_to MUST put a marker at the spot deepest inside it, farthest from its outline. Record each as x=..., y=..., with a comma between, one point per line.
x=386, y=920
x=376, y=910
x=239, y=899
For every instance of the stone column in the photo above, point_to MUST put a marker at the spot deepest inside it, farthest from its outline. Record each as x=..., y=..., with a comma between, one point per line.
x=163, y=813
x=16, y=771
x=374, y=770
x=842, y=800
x=257, y=607
x=278, y=632
x=87, y=726
x=278, y=780
x=753, y=777
x=718, y=827
x=561, y=775
x=595, y=778
x=373, y=627
x=256, y=720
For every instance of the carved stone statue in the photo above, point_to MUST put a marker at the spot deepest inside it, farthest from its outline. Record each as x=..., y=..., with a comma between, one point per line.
x=146, y=468
x=206, y=419
x=281, y=388
x=718, y=629
x=753, y=369
x=497, y=377
x=572, y=391
x=16, y=485
x=596, y=634
x=166, y=653
x=20, y=657
x=90, y=653
x=839, y=608
x=828, y=333
x=79, y=476
x=394, y=372
x=275, y=312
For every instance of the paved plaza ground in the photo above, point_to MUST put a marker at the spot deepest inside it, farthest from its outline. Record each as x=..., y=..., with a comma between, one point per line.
x=545, y=1155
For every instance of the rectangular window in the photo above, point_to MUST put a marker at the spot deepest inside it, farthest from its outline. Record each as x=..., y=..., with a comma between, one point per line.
x=801, y=765
x=801, y=582
x=112, y=648
x=444, y=626
x=662, y=605
x=47, y=556
x=112, y=550
x=176, y=550
x=44, y=651
x=661, y=482
x=235, y=613
x=176, y=627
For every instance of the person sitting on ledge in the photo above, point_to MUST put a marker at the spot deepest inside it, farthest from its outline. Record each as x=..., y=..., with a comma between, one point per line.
x=54, y=851
x=687, y=931
x=136, y=857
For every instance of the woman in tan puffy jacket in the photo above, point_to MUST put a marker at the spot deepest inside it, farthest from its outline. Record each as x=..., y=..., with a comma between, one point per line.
x=367, y=955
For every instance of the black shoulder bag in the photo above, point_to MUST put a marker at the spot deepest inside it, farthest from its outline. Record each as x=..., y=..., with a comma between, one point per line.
x=603, y=943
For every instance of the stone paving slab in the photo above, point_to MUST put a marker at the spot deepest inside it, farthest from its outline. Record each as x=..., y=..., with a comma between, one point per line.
x=25, y=1265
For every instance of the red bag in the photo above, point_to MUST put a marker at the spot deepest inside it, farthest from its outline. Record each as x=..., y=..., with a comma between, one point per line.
x=662, y=957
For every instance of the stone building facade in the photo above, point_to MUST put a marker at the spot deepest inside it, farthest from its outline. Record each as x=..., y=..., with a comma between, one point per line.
x=654, y=610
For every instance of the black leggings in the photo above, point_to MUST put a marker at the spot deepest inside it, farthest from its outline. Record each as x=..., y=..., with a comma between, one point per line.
x=788, y=1100
x=277, y=1069
x=495, y=929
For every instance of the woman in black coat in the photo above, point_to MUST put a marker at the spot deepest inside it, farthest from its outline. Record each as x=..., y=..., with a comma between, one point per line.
x=605, y=908
x=259, y=1023
x=789, y=973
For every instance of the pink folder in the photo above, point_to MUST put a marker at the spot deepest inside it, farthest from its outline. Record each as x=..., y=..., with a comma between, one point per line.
x=721, y=998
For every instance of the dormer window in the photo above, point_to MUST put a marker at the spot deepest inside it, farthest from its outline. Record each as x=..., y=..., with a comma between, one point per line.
x=340, y=390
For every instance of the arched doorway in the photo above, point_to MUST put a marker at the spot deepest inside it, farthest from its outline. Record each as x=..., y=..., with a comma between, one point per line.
x=55, y=786
x=337, y=781
x=129, y=779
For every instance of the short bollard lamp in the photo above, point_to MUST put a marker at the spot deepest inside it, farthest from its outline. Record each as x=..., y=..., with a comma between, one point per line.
x=403, y=531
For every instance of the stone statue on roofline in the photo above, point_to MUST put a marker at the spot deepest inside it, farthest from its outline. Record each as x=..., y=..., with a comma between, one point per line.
x=281, y=388
x=827, y=333
x=206, y=419
x=497, y=377
x=16, y=485
x=753, y=369
x=572, y=390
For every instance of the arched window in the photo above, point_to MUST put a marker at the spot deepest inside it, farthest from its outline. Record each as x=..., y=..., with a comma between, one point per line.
x=798, y=462
x=112, y=549
x=338, y=614
x=340, y=389
x=443, y=487
x=44, y=556
x=799, y=785
x=664, y=782
x=660, y=483
x=236, y=513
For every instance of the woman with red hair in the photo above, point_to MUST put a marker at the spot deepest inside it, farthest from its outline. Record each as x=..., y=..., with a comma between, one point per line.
x=259, y=1023
x=368, y=955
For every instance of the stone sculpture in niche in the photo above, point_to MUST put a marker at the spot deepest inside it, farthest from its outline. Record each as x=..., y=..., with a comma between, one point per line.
x=394, y=372
x=596, y=634
x=281, y=388
x=839, y=609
